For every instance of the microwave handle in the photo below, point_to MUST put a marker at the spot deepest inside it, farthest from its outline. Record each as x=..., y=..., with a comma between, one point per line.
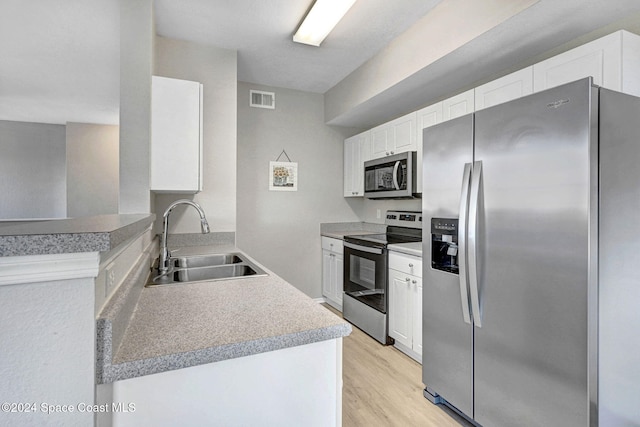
x=395, y=175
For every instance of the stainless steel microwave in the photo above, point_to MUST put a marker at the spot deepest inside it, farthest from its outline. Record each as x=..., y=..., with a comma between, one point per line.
x=391, y=177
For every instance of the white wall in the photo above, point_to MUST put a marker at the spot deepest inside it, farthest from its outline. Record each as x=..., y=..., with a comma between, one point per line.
x=50, y=359
x=282, y=229
x=92, y=169
x=295, y=386
x=32, y=170
x=216, y=69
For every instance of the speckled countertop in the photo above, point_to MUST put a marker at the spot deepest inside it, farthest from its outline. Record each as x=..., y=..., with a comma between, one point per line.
x=190, y=324
x=86, y=234
x=338, y=230
x=411, y=248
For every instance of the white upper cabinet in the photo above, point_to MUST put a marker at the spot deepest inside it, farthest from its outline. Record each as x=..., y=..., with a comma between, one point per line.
x=404, y=133
x=458, y=105
x=380, y=141
x=507, y=88
x=176, y=136
x=428, y=116
x=612, y=61
x=356, y=152
x=396, y=136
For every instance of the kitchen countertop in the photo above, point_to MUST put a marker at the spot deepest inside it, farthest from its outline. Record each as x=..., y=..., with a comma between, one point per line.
x=59, y=236
x=340, y=229
x=412, y=248
x=188, y=324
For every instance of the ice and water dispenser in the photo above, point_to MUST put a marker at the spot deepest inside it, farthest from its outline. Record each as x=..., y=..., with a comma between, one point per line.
x=444, y=244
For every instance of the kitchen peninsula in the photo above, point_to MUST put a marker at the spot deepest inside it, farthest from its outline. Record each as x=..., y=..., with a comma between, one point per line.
x=51, y=284
x=182, y=353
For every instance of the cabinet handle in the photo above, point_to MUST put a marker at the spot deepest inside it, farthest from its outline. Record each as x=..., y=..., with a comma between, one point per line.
x=414, y=281
x=410, y=265
x=387, y=153
x=392, y=152
x=407, y=279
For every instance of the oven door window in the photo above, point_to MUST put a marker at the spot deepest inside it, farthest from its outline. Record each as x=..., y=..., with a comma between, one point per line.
x=366, y=279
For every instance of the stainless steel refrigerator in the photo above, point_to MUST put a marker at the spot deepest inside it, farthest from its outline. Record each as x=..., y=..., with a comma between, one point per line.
x=531, y=215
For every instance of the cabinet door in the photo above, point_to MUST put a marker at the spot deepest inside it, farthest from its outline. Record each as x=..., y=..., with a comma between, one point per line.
x=403, y=133
x=428, y=116
x=327, y=285
x=380, y=141
x=332, y=277
x=351, y=159
x=339, y=278
x=416, y=284
x=176, y=135
x=600, y=59
x=507, y=88
x=400, y=317
x=458, y=105
x=356, y=151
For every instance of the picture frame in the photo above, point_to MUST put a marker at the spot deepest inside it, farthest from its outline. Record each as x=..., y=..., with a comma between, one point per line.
x=283, y=176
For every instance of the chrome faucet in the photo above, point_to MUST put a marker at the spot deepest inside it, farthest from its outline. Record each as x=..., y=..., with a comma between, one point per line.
x=165, y=255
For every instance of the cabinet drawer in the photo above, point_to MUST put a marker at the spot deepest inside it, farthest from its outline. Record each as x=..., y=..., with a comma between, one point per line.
x=405, y=263
x=331, y=244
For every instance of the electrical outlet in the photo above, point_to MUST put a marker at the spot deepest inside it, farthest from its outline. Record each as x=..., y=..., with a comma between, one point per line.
x=110, y=279
x=378, y=215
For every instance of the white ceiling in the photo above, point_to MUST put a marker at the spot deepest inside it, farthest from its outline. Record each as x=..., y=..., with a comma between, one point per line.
x=59, y=60
x=262, y=31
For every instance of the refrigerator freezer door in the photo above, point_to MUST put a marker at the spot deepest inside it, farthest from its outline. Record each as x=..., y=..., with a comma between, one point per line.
x=447, y=367
x=530, y=360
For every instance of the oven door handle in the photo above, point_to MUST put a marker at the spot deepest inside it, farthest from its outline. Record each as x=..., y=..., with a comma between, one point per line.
x=377, y=251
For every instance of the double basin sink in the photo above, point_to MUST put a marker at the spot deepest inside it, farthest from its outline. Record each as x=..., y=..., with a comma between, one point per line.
x=211, y=267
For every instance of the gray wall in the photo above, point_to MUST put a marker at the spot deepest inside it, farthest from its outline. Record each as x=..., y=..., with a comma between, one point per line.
x=216, y=69
x=92, y=169
x=282, y=229
x=136, y=64
x=32, y=170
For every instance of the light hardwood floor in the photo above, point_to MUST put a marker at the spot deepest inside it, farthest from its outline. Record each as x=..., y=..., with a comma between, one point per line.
x=383, y=387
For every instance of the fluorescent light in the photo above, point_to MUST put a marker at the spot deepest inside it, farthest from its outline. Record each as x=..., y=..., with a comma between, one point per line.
x=323, y=16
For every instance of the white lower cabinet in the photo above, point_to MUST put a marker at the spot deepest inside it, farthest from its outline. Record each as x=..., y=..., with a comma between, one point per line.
x=332, y=271
x=405, y=303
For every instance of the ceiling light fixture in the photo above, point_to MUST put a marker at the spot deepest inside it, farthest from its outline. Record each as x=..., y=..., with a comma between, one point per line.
x=323, y=16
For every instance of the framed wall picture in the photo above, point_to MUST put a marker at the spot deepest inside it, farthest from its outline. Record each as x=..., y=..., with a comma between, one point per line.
x=283, y=176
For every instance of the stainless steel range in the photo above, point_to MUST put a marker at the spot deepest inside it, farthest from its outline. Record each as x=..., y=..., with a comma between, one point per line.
x=365, y=301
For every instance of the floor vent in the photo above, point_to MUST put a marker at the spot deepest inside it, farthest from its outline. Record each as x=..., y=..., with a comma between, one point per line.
x=262, y=99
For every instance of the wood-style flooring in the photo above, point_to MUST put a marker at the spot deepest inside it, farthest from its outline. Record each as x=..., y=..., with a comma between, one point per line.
x=383, y=387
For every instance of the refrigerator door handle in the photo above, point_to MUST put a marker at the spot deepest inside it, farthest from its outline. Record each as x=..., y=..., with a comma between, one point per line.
x=472, y=241
x=395, y=175
x=462, y=242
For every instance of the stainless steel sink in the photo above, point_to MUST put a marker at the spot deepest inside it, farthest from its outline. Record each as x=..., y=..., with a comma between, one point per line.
x=205, y=260
x=211, y=267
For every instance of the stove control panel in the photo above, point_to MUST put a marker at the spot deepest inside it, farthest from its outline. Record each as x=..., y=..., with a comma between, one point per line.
x=404, y=219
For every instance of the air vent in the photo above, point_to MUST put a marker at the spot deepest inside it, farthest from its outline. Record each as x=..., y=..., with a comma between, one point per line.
x=262, y=99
